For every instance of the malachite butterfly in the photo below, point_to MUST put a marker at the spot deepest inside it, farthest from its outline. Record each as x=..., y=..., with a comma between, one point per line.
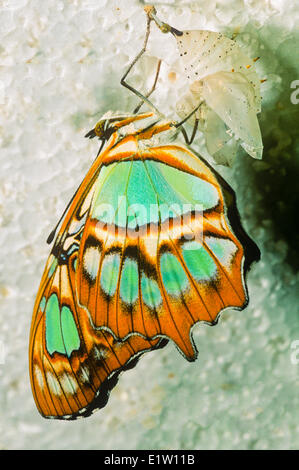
x=151, y=244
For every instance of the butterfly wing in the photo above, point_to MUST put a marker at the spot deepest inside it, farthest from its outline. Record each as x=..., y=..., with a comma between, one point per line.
x=158, y=253
x=151, y=245
x=73, y=366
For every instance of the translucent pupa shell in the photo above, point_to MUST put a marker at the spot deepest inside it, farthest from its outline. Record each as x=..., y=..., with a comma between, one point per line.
x=224, y=79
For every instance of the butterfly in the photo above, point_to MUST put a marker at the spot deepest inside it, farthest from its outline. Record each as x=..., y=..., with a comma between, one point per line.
x=151, y=244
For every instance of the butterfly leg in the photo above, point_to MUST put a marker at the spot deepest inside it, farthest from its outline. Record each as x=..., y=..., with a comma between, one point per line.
x=151, y=90
x=179, y=125
x=183, y=130
x=125, y=84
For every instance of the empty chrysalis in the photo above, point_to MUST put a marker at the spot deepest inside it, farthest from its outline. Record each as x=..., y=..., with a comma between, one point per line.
x=223, y=79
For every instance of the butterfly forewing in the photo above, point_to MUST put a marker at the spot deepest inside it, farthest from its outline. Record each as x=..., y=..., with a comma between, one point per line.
x=73, y=366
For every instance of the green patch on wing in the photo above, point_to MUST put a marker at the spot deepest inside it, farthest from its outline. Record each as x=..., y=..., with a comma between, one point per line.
x=53, y=266
x=129, y=281
x=200, y=264
x=109, y=273
x=139, y=192
x=151, y=294
x=173, y=275
x=61, y=330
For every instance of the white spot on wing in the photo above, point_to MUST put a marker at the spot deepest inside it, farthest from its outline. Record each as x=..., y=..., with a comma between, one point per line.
x=84, y=374
x=223, y=248
x=39, y=377
x=53, y=384
x=91, y=260
x=69, y=384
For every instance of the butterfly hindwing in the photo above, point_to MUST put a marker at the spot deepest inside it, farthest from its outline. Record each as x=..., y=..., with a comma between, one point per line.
x=164, y=255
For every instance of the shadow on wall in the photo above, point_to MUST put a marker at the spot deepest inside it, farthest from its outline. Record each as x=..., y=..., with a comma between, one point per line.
x=277, y=177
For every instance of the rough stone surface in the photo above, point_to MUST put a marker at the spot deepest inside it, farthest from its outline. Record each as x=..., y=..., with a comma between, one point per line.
x=61, y=63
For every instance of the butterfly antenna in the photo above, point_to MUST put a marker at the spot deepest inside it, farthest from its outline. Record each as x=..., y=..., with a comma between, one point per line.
x=101, y=147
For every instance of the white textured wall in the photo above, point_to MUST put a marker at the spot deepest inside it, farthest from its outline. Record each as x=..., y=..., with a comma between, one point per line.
x=60, y=63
